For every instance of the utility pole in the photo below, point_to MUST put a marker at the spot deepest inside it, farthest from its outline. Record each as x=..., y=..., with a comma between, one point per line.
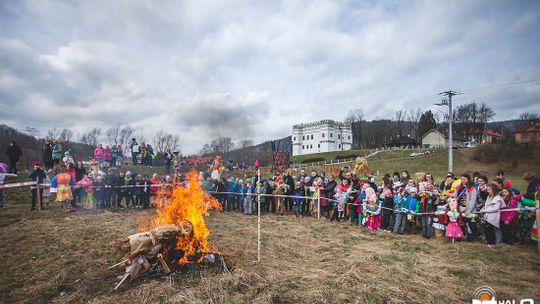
x=448, y=102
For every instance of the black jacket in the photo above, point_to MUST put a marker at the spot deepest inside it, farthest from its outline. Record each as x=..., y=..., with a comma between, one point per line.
x=531, y=189
x=39, y=174
x=46, y=153
x=14, y=153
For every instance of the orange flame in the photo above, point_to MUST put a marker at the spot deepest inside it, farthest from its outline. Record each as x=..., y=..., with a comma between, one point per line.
x=187, y=203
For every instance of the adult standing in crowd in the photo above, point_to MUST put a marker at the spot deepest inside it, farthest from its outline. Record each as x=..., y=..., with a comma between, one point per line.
x=56, y=153
x=168, y=161
x=134, y=147
x=148, y=155
x=492, y=214
x=108, y=156
x=99, y=154
x=533, y=184
x=119, y=156
x=46, y=154
x=37, y=175
x=80, y=172
x=14, y=153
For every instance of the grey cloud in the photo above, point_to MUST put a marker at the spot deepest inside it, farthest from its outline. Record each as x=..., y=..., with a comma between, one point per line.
x=186, y=66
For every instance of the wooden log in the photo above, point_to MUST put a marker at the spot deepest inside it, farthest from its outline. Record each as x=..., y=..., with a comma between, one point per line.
x=122, y=281
x=118, y=264
x=163, y=263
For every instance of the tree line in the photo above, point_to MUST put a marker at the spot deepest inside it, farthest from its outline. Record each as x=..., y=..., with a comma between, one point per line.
x=404, y=127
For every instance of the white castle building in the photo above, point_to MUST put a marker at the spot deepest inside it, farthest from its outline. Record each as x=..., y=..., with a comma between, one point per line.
x=321, y=136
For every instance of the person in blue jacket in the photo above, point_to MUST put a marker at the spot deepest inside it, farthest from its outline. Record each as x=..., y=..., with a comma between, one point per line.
x=231, y=198
x=412, y=209
x=400, y=211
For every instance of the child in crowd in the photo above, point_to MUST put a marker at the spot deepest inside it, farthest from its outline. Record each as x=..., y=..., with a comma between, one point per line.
x=441, y=219
x=249, y=190
x=3, y=175
x=138, y=191
x=372, y=209
x=128, y=191
x=298, y=200
x=400, y=211
x=412, y=208
x=99, y=192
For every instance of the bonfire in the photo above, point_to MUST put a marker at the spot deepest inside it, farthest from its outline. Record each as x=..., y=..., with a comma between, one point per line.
x=177, y=237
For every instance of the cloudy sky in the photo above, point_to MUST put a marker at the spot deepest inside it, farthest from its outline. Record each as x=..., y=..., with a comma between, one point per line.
x=252, y=69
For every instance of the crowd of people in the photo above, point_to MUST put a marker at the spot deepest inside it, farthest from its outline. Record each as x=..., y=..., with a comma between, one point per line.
x=459, y=207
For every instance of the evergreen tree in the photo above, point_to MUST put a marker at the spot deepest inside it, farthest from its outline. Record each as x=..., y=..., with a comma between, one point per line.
x=426, y=123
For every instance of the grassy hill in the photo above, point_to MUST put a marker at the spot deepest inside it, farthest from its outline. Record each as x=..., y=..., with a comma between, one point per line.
x=436, y=163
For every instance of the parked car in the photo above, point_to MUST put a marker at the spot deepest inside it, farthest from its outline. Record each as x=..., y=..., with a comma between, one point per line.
x=414, y=154
x=470, y=144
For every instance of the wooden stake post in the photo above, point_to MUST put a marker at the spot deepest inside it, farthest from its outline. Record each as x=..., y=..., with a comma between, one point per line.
x=319, y=206
x=258, y=215
x=37, y=193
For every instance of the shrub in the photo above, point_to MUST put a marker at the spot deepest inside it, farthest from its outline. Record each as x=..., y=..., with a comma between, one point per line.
x=312, y=160
x=345, y=156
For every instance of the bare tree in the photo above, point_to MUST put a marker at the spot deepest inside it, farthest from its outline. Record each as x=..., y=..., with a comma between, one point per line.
x=160, y=141
x=54, y=133
x=471, y=119
x=222, y=145
x=91, y=137
x=355, y=117
x=32, y=131
x=413, y=115
x=140, y=136
x=206, y=149
x=65, y=135
x=399, y=117
x=244, y=143
x=125, y=135
x=172, y=142
x=113, y=134
x=527, y=118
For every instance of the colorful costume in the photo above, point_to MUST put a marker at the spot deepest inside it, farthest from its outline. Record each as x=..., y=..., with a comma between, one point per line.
x=64, y=184
x=217, y=168
x=372, y=208
x=454, y=230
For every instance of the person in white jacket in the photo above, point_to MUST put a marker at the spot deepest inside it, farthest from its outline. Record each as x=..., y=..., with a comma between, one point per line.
x=492, y=214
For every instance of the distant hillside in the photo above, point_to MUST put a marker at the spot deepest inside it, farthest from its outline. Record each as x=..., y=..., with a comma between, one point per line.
x=377, y=133
x=31, y=147
x=261, y=152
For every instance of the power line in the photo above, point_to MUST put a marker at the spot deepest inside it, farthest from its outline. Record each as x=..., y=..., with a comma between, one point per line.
x=502, y=86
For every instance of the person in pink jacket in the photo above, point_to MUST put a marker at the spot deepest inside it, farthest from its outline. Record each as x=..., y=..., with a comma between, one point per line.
x=108, y=155
x=507, y=217
x=99, y=153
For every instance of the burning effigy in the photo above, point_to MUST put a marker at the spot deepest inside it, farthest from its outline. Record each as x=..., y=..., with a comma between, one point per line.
x=176, y=238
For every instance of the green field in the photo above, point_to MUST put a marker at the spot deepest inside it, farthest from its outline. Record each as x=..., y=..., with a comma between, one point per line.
x=437, y=164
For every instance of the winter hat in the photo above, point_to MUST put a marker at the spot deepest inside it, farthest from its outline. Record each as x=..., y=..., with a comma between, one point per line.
x=67, y=153
x=413, y=190
x=36, y=164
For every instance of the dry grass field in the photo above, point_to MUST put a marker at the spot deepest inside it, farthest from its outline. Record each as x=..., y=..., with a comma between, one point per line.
x=55, y=257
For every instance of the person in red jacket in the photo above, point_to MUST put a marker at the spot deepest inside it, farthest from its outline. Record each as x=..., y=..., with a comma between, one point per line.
x=99, y=154
x=508, y=217
x=108, y=156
